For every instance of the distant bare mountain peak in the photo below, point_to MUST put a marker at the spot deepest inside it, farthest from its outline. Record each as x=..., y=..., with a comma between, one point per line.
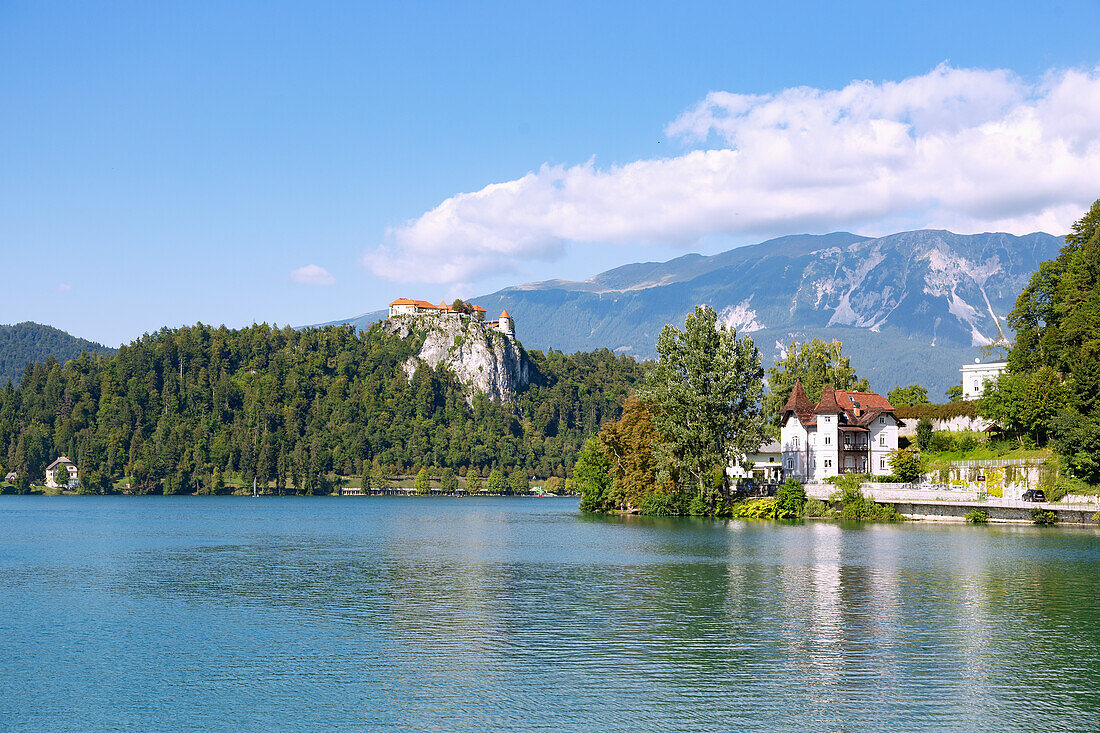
x=910, y=306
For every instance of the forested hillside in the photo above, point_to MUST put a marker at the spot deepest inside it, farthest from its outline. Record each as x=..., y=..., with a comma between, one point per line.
x=180, y=409
x=26, y=343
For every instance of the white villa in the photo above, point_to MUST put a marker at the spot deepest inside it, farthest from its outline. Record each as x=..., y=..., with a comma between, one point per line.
x=407, y=307
x=52, y=470
x=846, y=432
x=976, y=375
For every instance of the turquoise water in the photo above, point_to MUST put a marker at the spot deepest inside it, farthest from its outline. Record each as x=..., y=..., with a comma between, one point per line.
x=241, y=614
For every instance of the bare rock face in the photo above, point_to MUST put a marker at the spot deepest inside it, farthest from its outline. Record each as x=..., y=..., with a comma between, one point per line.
x=483, y=359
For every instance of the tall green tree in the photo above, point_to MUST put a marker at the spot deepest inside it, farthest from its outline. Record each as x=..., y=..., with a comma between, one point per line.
x=519, y=482
x=906, y=464
x=705, y=394
x=448, y=482
x=423, y=483
x=816, y=363
x=473, y=480
x=496, y=484
x=924, y=434
x=592, y=473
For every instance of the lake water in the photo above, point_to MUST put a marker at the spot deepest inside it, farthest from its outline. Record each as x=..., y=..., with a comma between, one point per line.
x=241, y=614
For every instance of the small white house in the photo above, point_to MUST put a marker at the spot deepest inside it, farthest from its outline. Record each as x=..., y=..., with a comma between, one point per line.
x=54, y=468
x=975, y=376
x=766, y=464
x=845, y=432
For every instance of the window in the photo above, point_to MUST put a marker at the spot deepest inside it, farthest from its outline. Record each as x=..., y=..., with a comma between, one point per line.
x=826, y=419
x=828, y=463
x=882, y=464
x=790, y=463
x=828, y=439
x=796, y=442
x=882, y=440
x=882, y=420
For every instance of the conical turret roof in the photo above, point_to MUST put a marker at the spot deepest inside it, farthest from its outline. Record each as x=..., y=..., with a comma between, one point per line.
x=828, y=403
x=800, y=404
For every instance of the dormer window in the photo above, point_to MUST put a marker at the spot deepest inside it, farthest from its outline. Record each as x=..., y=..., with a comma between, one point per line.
x=882, y=420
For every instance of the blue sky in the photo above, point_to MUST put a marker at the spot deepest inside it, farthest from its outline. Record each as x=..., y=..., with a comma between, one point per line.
x=165, y=163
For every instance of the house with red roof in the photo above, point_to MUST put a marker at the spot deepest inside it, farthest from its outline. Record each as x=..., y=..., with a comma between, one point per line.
x=845, y=432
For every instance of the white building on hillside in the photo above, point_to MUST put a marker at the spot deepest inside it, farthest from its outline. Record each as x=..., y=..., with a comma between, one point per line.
x=976, y=375
x=54, y=469
x=846, y=432
x=409, y=307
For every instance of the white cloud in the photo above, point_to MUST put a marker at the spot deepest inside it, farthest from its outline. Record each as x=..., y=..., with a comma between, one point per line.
x=64, y=287
x=312, y=275
x=962, y=149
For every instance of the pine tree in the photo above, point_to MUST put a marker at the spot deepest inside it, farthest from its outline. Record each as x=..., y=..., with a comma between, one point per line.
x=422, y=485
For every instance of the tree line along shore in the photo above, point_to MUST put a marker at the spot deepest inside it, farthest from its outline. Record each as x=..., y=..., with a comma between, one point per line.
x=202, y=410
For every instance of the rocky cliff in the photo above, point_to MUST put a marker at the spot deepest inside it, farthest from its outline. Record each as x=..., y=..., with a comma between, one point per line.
x=483, y=359
x=910, y=307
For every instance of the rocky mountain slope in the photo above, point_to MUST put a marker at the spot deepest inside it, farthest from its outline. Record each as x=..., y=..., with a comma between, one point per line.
x=910, y=307
x=483, y=359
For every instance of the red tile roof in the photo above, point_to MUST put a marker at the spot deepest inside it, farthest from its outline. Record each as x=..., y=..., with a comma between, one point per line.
x=417, y=303
x=504, y=314
x=866, y=400
x=871, y=405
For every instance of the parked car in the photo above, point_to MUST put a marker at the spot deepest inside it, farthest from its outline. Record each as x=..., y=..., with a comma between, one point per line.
x=1034, y=495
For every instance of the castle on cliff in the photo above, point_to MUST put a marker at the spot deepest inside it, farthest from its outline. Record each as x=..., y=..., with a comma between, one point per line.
x=407, y=307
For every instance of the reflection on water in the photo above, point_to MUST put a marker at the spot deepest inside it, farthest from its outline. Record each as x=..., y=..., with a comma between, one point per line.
x=443, y=614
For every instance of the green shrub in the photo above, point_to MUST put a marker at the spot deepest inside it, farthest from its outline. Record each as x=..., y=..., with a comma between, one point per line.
x=1043, y=517
x=941, y=442
x=866, y=510
x=1057, y=492
x=977, y=516
x=699, y=506
x=754, y=509
x=906, y=464
x=816, y=508
x=967, y=442
x=854, y=505
x=790, y=500
x=661, y=504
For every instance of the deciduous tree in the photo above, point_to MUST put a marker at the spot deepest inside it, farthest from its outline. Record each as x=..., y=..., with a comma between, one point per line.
x=816, y=363
x=705, y=394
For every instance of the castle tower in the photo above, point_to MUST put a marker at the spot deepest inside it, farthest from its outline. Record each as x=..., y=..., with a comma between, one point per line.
x=506, y=325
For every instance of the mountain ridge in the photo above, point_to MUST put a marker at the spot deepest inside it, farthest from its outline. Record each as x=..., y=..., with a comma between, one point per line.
x=910, y=306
